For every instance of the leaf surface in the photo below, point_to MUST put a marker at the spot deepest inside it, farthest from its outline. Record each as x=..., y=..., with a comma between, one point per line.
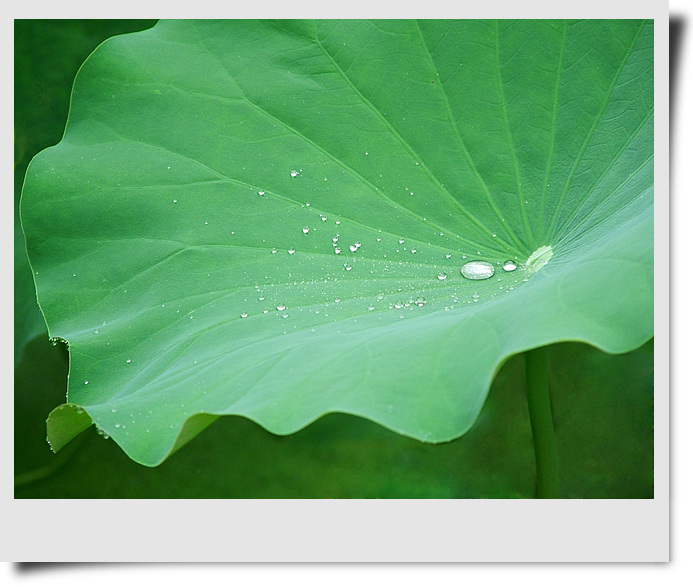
x=269, y=219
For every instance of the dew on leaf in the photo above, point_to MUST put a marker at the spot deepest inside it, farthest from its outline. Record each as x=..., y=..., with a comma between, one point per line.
x=509, y=265
x=291, y=251
x=305, y=230
x=477, y=270
x=442, y=276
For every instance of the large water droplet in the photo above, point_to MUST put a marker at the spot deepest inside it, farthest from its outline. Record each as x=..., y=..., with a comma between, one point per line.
x=477, y=270
x=509, y=265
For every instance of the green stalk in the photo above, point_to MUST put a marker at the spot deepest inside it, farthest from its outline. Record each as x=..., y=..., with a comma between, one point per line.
x=545, y=451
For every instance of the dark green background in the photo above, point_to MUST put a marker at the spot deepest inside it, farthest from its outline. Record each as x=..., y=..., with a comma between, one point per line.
x=603, y=404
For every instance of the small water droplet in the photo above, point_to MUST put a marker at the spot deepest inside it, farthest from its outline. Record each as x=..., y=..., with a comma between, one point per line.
x=401, y=241
x=281, y=307
x=294, y=173
x=442, y=276
x=86, y=383
x=509, y=265
x=337, y=300
x=420, y=301
x=114, y=410
x=292, y=251
x=413, y=250
x=448, y=255
x=261, y=193
x=274, y=251
x=305, y=230
x=338, y=250
x=475, y=296
x=371, y=308
x=128, y=361
x=477, y=270
x=347, y=266
x=353, y=248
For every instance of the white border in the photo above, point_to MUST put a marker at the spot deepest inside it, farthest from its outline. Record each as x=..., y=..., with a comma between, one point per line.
x=397, y=530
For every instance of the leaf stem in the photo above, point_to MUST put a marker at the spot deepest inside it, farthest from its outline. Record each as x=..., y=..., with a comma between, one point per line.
x=545, y=450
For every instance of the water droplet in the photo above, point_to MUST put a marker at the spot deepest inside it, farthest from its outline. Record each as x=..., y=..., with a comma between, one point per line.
x=338, y=250
x=353, y=248
x=442, y=276
x=294, y=173
x=274, y=251
x=477, y=270
x=281, y=307
x=337, y=221
x=413, y=250
x=401, y=241
x=261, y=193
x=399, y=305
x=305, y=230
x=420, y=301
x=323, y=218
x=448, y=255
x=86, y=383
x=337, y=300
x=292, y=251
x=371, y=308
x=128, y=361
x=114, y=410
x=261, y=298
x=347, y=266
x=509, y=265
x=244, y=315
x=475, y=296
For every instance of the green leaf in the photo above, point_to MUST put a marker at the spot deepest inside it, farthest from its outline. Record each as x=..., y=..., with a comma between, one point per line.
x=182, y=234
